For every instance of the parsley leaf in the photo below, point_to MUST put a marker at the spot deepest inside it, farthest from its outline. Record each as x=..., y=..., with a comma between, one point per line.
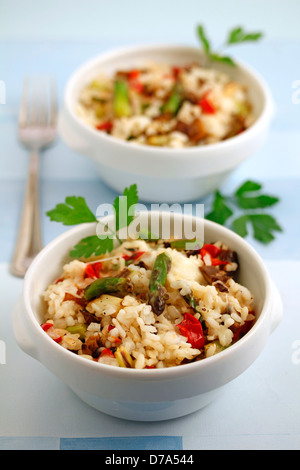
x=203, y=38
x=222, y=58
x=74, y=211
x=239, y=225
x=248, y=186
x=263, y=225
x=124, y=207
x=238, y=35
x=256, y=201
x=221, y=211
x=92, y=246
x=235, y=36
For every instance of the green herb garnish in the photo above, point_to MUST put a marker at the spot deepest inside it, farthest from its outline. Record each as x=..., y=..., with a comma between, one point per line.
x=235, y=36
x=238, y=35
x=124, y=207
x=72, y=212
x=75, y=211
x=174, y=102
x=92, y=246
x=249, y=201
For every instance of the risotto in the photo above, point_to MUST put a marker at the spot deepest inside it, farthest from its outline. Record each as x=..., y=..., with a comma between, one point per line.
x=149, y=305
x=167, y=106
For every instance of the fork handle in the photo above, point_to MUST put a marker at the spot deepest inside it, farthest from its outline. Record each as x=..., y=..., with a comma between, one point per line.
x=29, y=240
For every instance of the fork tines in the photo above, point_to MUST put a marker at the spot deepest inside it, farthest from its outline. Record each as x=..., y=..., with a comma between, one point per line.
x=38, y=104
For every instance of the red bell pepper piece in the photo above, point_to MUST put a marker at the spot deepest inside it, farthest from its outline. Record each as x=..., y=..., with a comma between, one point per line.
x=217, y=262
x=89, y=271
x=105, y=126
x=57, y=339
x=93, y=269
x=192, y=329
x=51, y=332
x=133, y=74
x=213, y=251
x=97, y=268
x=107, y=352
x=134, y=82
x=135, y=255
x=137, y=86
x=176, y=71
x=116, y=340
x=206, y=105
x=46, y=326
x=53, y=335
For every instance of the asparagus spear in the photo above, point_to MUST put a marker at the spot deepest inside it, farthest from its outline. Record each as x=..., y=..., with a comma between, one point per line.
x=191, y=301
x=123, y=357
x=77, y=329
x=174, y=101
x=192, y=244
x=106, y=285
x=121, y=99
x=157, y=295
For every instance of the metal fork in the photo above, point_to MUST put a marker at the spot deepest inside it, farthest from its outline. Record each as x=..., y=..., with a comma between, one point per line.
x=36, y=131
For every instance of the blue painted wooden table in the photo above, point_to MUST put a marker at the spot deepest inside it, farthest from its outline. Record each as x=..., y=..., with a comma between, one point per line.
x=261, y=408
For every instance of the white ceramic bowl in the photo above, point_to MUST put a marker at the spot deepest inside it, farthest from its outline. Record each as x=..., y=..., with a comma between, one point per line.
x=162, y=174
x=153, y=394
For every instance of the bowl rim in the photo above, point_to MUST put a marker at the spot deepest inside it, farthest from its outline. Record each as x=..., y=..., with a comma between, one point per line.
x=165, y=152
x=142, y=374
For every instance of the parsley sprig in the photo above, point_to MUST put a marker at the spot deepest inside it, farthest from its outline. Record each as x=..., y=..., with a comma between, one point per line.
x=235, y=36
x=72, y=212
x=248, y=199
x=75, y=211
x=250, y=202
